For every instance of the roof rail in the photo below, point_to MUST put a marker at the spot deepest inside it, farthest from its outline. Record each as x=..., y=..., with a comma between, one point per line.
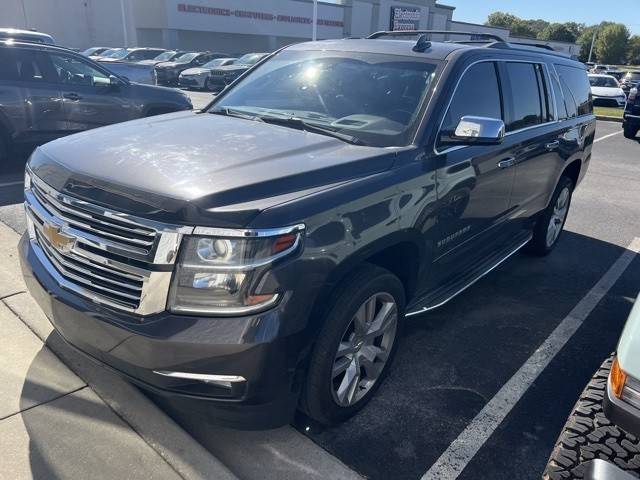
x=410, y=33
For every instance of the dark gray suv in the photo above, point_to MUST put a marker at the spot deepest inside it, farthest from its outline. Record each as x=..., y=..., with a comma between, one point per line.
x=263, y=254
x=47, y=92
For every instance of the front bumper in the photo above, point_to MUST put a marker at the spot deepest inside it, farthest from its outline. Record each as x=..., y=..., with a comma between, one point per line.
x=614, y=102
x=192, y=81
x=167, y=77
x=135, y=347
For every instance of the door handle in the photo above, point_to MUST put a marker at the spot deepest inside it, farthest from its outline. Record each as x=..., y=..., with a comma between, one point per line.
x=72, y=96
x=507, y=162
x=552, y=145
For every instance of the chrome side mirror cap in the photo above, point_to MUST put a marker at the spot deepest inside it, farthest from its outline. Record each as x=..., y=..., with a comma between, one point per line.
x=473, y=130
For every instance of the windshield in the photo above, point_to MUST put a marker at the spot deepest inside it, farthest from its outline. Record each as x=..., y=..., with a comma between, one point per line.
x=120, y=53
x=218, y=62
x=186, y=57
x=163, y=57
x=250, y=58
x=633, y=76
x=603, y=82
x=113, y=51
x=374, y=98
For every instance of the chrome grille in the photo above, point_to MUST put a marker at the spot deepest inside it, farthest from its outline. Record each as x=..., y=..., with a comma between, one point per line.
x=108, y=257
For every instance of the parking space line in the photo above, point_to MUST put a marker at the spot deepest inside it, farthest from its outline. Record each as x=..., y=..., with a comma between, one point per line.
x=10, y=184
x=458, y=455
x=607, y=136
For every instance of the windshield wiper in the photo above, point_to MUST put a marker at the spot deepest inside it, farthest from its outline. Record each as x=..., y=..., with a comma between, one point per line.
x=299, y=123
x=230, y=112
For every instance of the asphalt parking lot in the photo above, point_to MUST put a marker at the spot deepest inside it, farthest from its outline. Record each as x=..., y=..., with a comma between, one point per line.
x=458, y=363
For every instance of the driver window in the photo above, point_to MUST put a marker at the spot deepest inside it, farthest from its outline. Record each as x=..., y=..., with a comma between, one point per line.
x=73, y=71
x=477, y=94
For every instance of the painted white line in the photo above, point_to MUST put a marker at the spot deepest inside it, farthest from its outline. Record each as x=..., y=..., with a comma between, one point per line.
x=607, y=136
x=458, y=455
x=10, y=184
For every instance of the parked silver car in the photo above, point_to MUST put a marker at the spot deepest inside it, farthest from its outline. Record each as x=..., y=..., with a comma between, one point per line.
x=198, y=77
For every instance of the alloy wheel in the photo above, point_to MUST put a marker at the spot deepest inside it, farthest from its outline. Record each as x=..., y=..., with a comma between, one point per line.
x=558, y=216
x=364, y=349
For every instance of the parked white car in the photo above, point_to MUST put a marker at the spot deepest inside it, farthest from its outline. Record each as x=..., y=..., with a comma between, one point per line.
x=198, y=77
x=606, y=91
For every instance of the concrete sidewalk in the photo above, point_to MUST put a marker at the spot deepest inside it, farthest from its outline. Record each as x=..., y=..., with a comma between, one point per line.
x=63, y=417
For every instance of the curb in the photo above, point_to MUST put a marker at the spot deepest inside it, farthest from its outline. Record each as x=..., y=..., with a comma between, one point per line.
x=176, y=447
x=605, y=118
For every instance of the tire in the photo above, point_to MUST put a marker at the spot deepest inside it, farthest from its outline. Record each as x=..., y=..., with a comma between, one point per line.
x=539, y=244
x=630, y=131
x=4, y=148
x=207, y=87
x=588, y=435
x=325, y=396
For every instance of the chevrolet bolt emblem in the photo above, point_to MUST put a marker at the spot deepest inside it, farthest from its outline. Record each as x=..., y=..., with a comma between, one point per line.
x=59, y=240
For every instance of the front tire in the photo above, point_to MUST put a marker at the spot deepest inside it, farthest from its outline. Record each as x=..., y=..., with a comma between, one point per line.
x=356, y=345
x=588, y=434
x=550, y=223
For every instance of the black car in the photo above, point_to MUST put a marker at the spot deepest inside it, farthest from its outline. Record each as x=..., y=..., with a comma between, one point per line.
x=222, y=76
x=167, y=73
x=630, y=80
x=263, y=254
x=47, y=92
x=631, y=116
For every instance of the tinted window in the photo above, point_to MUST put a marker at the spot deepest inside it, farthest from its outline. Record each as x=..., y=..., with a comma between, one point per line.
x=527, y=99
x=21, y=65
x=73, y=71
x=375, y=98
x=597, y=81
x=477, y=94
x=576, y=81
x=560, y=102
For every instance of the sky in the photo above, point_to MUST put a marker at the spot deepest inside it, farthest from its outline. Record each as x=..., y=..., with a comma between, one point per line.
x=581, y=11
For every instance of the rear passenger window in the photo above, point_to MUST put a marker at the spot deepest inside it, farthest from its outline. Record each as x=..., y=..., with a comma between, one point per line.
x=477, y=94
x=575, y=80
x=20, y=65
x=560, y=100
x=528, y=98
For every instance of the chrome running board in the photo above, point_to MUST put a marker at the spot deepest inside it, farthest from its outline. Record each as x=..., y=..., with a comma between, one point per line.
x=474, y=280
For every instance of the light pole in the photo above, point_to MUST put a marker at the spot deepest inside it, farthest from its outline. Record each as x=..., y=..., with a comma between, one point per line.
x=593, y=41
x=314, y=34
x=124, y=24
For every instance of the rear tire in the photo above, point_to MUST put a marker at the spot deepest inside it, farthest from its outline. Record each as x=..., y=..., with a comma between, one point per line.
x=550, y=223
x=588, y=435
x=630, y=131
x=5, y=148
x=347, y=363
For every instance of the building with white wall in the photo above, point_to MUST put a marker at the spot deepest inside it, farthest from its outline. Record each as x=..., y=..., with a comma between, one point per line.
x=231, y=26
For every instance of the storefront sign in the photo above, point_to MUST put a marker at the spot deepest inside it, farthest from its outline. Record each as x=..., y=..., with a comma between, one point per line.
x=405, y=18
x=281, y=18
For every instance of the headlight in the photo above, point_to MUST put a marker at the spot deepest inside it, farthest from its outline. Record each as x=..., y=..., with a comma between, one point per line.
x=219, y=275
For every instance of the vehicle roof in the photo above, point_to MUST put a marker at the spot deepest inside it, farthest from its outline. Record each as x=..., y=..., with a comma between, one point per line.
x=436, y=51
x=8, y=42
x=601, y=75
x=25, y=33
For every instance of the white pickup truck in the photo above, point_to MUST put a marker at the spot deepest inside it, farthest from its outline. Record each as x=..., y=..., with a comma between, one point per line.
x=601, y=439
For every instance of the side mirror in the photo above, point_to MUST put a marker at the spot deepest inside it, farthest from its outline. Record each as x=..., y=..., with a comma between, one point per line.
x=476, y=131
x=116, y=82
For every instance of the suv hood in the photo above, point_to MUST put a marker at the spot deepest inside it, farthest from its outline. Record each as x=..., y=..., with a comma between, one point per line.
x=171, y=65
x=201, y=168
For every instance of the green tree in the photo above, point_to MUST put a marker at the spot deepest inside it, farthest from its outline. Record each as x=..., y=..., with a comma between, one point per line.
x=633, y=53
x=518, y=27
x=557, y=31
x=612, y=42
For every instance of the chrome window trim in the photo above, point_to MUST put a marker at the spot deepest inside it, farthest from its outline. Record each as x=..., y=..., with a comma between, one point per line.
x=492, y=60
